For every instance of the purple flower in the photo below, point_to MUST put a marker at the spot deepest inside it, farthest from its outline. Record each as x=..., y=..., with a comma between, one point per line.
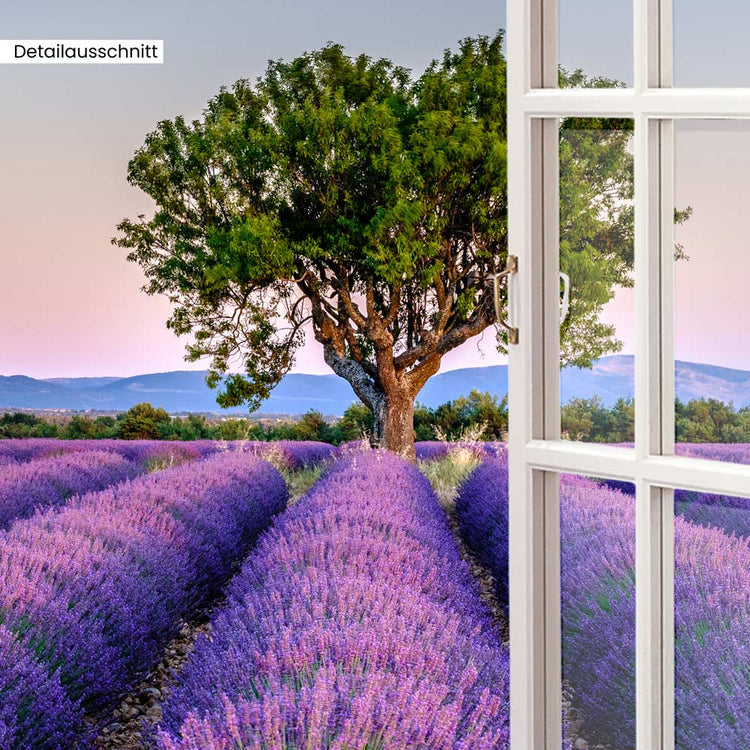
x=712, y=609
x=290, y=454
x=35, y=711
x=429, y=450
x=354, y=623
x=93, y=593
x=51, y=481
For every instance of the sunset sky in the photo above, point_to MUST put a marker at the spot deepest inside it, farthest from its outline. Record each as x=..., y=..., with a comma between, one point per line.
x=70, y=303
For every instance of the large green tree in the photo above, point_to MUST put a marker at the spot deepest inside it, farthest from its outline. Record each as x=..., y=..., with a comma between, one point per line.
x=344, y=195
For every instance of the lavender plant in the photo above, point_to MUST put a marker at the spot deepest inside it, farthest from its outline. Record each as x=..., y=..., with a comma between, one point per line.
x=430, y=450
x=51, y=481
x=731, y=514
x=92, y=593
x=354, y=623
x=289, y=454
x=140, y=451
x=712, y=617
x=35, y=712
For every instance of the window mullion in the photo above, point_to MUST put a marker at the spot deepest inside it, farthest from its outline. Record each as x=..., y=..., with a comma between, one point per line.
x=665, y=208
x=654, y=206
x=535, y=633
x=536, y=453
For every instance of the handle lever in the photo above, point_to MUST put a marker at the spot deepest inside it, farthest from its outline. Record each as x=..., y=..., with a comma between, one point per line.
x=510, y=268
x=565, y=306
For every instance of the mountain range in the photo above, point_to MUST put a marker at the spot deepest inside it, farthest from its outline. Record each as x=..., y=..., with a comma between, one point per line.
x=186, y=391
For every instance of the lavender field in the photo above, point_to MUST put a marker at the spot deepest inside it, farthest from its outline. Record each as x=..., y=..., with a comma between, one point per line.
x=354, y=624
x=350, y=618
x=712, y=601
x=90, y=594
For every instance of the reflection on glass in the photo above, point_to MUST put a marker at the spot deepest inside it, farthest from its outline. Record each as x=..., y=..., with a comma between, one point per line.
x=596, y=38
x=710, y=47
x=597, y=522
x=712, y=622
x=712, y=339
x=596, y=255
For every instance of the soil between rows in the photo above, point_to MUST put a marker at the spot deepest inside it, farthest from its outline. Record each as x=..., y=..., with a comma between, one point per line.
x=129, y=724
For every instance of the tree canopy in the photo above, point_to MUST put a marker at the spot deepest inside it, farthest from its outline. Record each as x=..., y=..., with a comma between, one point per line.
x=347, y=195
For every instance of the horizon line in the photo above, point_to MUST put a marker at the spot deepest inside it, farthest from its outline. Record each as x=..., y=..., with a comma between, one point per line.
x=325, y=374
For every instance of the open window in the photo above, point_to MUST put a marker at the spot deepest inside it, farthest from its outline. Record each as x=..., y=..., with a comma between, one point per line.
x=668, y=486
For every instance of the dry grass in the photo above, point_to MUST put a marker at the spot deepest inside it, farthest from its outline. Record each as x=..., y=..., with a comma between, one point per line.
x=300, y=481
x=446, y=474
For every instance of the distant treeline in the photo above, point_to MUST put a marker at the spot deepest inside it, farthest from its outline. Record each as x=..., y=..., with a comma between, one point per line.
x=698, y=421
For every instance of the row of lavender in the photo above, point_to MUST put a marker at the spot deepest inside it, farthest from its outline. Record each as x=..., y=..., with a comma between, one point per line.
x=712, y=593
x=354, y=623
x=91, y=594
x=139, y=451
x=732, y=514
x=293, y=454
x=728, y=452
x=46, y=474
x=431, y=450
x=51, y=480
x=296, y=454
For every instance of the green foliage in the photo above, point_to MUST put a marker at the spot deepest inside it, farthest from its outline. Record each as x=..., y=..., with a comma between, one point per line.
x=328, y=178
x=239, y=429
x=455, y=418
x=698, y=421
x=192, y=427
x=21, y=425
x=711, y=421
x=347, y=193
x=144, y=422
x=589, y=420
x=312, y=426
x=596, y=223
x=356, y=423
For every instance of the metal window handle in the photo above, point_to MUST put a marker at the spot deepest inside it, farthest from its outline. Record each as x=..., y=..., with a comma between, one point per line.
x=510, y=268
x=565, y=305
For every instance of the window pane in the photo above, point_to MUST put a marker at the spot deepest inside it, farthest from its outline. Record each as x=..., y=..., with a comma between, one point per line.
x=596, y=255
x=712, y=339
x=596, y=38
x=712, y=621
x=597, y=522
x=710, y=47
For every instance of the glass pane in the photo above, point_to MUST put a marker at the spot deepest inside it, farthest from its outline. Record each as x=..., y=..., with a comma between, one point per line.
x=710, y=47
x=712, y=339
x=596, y=42
x=597, y=522
x=712, y=622
x=596, y=257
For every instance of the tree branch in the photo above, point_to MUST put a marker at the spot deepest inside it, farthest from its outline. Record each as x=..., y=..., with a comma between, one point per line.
x=357, y=377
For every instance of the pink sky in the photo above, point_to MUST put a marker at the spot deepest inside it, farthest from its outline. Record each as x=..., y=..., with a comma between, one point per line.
x=712, y=304
x=70, y=303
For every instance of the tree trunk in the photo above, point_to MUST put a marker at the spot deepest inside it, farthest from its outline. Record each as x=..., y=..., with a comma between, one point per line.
x=394, y=424
x=392, y=406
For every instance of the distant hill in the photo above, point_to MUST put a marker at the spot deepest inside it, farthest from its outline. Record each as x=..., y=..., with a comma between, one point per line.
x=186, y=391
x=82, y=382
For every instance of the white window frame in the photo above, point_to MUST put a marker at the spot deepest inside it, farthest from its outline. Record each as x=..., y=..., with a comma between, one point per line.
x=537, y=455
